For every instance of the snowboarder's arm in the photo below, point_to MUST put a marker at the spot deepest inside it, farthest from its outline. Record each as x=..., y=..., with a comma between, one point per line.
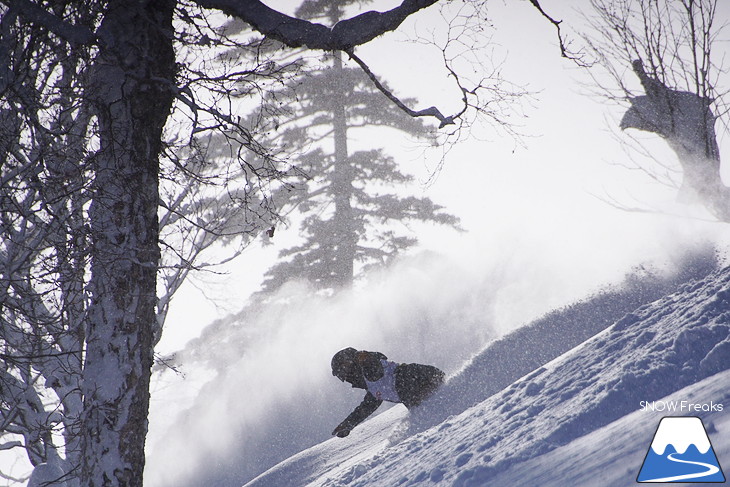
x=365, y=409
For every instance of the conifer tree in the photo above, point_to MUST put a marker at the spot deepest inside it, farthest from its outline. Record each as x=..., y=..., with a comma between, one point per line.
x=351, y=198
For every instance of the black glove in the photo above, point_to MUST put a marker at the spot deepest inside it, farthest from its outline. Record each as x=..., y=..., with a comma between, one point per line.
x=341, y=431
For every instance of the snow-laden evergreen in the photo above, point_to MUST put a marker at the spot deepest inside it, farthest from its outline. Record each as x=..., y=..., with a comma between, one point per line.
x=581, y=419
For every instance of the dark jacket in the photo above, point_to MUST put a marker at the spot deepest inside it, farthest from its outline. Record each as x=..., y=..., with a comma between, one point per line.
x=413, y=383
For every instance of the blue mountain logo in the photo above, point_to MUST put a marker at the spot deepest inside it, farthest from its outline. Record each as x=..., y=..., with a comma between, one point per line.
x=681, y=452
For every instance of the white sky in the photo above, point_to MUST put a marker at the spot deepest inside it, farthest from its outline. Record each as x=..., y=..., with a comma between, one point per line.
x=540, y=205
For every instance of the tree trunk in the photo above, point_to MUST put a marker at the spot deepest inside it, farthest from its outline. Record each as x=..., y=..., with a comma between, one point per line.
x=344, y=235
x=685, y=121
x=131, y=89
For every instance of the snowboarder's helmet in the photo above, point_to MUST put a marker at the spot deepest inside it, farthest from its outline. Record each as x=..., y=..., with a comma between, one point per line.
x=342, y=362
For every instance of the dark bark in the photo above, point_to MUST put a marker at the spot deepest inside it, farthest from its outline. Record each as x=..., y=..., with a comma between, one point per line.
x=130, y=86
x=131, y=93
x=297, y=32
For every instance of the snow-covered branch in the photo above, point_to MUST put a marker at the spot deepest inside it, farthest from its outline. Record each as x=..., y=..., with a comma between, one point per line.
x=669, y=47
x=296, y=32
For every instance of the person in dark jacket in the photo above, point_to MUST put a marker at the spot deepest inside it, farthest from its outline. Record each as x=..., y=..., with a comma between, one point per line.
x=383, y=380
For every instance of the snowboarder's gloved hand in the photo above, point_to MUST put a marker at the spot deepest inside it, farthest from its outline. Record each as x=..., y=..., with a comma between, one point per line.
x=341, y=431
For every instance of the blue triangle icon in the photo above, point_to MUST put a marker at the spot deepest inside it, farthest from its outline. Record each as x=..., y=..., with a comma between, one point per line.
x=680, y=452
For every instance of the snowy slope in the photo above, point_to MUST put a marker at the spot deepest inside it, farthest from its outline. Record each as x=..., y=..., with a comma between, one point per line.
x=409, y=315
x=338, y=456
x=580, y=411
x=613, y=455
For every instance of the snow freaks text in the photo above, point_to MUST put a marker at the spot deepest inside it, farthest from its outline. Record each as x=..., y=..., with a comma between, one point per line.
x=680, y=406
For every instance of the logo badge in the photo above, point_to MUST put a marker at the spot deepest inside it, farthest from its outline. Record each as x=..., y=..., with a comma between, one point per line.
x=680, y=452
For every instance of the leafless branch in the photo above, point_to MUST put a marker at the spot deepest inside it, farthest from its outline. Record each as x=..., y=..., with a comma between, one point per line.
x=74, y=34
x=578, y=58
x=669, y=47
x=427, y=112
x=297, y=32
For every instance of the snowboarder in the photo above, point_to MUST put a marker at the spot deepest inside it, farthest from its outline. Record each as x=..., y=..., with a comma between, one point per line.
x=383, y=380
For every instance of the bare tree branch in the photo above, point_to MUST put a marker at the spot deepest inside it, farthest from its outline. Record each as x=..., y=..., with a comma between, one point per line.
x=74, y=34
x=669, y=47
x=297, y=32
x=564, y=51
x=427, y=112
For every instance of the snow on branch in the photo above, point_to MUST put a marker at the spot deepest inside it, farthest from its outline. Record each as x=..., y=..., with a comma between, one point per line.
x=297, y=32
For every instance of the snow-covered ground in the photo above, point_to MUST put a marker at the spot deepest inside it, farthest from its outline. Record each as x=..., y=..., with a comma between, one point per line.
x=577, y=420
x=613, y=454
x=245, y=418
